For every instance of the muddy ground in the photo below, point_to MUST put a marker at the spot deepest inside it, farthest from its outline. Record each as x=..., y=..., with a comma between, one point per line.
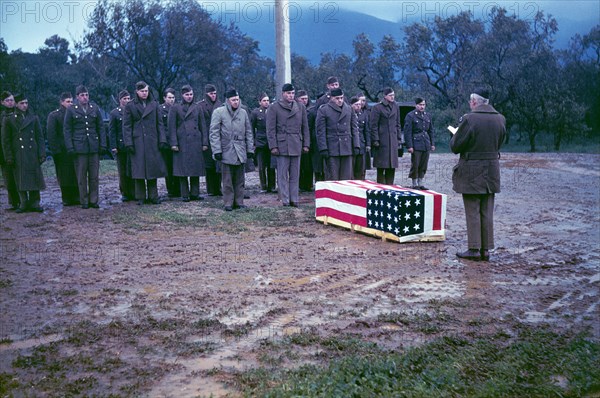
x=173, y=300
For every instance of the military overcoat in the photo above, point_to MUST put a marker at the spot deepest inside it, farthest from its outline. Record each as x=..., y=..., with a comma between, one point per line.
x=287, y=127
x=231, y=134
x=337, y=130
x=187, y=132
x=478, y=140
x=142, y=129
x=386, y=130
x=23, y=146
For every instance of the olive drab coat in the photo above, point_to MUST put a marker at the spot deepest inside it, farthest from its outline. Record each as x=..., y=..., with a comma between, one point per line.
x=231, y=134
x=363, y=131
x=287, y=128
x=478, y=140
x=23, y=146
x=258, y=121
x=337, y=130
x=143, y=130
x=418, y=131
x=187, y=132
x=208, y=106
x=55, y=132
x=385, y=128
x=115, y=129
x=84, y=132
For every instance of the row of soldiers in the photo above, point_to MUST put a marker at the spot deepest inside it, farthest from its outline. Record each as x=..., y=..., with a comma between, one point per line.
x=295, y=143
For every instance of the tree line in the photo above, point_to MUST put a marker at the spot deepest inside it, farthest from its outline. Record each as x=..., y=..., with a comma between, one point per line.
x=541, y=90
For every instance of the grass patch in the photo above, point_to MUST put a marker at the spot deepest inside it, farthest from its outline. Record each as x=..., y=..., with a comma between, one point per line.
x=208, y=215
x=4, y=283
x=538, y=363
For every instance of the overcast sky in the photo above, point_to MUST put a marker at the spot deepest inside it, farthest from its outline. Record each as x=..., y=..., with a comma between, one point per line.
x=26, y=24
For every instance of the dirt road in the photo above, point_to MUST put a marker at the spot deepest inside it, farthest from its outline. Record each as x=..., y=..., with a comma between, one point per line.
x=169, y=300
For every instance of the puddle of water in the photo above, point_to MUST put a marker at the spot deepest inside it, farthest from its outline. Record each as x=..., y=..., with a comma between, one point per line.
x=432, y=290
x=535, y=316
x=29, y=343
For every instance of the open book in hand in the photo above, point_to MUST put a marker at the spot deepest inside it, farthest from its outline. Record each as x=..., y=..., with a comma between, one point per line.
x=453, y=130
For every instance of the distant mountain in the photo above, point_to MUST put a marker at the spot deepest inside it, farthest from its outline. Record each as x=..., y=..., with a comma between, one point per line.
x=312, y=33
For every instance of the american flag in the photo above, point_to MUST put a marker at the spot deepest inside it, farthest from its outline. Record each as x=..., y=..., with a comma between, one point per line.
x=404, y=213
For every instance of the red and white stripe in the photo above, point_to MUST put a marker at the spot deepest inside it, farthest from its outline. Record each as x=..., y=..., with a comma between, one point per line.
x=347, y=201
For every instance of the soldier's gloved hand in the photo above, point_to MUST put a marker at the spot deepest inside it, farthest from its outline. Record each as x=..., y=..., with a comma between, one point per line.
x=275, y=151
x=357, y=150
x=163, y=146
x=324, y=153
x=130, y=149
x=305, y=149
x=42, y=159
x=204, y=148
x=250, y=155
x=401, y=151
x=375, y=144
x=218, y=156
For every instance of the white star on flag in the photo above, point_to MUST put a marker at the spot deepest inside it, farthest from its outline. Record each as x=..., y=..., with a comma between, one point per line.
x=407, y=216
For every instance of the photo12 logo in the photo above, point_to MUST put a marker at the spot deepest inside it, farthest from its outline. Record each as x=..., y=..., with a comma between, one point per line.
x=45, y=11
x=427, y=11
x=265, y=11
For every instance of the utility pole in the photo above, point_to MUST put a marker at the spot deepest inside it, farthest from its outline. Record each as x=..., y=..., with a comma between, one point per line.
x=283, y=66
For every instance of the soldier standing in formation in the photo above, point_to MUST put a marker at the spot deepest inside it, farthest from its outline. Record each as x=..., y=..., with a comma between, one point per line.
x=64, y=163
x=386, y=136
x=289, y=137
x=144, y=138
x=337, y=137
x=213, y=168
x=306, y=167
x=418, y=134
x=117, y=147
x=7, y=108
x=362, y=119
x=85, y=139
x=171, y=182
x=232, y=145
x=188, y=139
x=24, y=149
x=258, y=121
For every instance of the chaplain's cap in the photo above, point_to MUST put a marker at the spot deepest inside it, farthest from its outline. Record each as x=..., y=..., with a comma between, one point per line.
x=482, y=92
x=287, y=87
x=231, y=93
x=210, y=88
x=124, y=93
x=20, y=97
x=336, y=92
x=387, y=91
x=354, y=100
x=81, y=89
